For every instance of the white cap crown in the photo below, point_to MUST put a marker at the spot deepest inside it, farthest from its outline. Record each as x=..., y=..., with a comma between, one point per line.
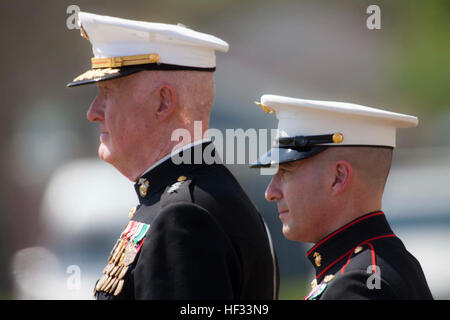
x=359, y=125
x=175, y=44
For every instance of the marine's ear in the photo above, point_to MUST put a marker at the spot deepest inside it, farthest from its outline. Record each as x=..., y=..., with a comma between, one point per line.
x=167, y=101
x=343, y=175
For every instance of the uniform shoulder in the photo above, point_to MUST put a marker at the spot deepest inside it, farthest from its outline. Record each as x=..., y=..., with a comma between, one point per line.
x=178, y=191
x=386, y=262
x=358, y=285
x=210, y=186
x=375, y=257
x=196, y=185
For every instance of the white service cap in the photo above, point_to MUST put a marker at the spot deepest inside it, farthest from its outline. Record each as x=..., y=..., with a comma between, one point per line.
x=122, y=47
x=306, y=127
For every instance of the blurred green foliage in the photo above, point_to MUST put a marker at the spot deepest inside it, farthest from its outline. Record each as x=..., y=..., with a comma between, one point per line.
x=294, y=288
x=421, y=66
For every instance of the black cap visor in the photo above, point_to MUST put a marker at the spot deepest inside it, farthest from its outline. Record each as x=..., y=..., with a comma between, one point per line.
x=277, y=156
x=103, y=74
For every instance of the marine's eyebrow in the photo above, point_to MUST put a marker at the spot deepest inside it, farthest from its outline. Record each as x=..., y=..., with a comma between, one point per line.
x=288, y=165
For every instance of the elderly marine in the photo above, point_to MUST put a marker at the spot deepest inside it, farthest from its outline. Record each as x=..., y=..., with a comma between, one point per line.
x=333, y=161
x=194, y=233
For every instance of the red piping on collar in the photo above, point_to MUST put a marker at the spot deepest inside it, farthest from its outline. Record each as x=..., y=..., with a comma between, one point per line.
x=342, y=229
x=352, y=250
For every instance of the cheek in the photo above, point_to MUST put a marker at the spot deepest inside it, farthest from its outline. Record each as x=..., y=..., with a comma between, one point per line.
x=294, y=195
x=303, y=193
x=124, y=116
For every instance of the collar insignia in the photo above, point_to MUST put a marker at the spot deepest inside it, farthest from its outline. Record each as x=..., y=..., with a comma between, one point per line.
x=143, y=186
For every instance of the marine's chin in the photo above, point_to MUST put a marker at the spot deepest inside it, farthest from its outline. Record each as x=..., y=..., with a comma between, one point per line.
x=104, y=153
x=292, y=233
x=287, y=232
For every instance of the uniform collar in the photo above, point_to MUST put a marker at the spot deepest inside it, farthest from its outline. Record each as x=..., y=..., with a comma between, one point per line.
x=168, y=171
x=177, y=151
x=338, y=244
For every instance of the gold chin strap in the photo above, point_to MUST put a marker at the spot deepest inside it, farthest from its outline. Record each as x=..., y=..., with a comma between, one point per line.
x=117, y=62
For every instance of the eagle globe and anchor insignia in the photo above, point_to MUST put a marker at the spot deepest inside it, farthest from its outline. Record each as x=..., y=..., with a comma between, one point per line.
x=143, y=186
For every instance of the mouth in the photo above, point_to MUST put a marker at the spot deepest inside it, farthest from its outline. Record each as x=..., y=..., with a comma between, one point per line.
x=103, y=128
x=103, y=136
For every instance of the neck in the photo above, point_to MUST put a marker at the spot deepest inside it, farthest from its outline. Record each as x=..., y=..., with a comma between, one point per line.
x=347, y=210
x=164, y=147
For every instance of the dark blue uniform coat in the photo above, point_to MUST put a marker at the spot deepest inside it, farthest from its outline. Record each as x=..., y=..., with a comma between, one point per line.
x=205, y=240
x=364, y=259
